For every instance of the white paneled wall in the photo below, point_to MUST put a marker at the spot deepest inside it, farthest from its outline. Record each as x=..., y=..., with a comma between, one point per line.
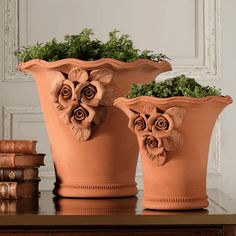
x=188, y=31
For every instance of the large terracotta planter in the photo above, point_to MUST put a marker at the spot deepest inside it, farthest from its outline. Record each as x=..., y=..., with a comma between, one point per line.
x=173, y=136
x=94, y=153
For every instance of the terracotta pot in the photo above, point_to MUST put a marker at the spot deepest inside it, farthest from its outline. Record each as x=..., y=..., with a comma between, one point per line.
x=88, y=206
x=94, y=153
x=173, y=136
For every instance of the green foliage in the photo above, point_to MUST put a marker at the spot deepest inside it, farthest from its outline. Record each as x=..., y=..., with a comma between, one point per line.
x=120, y=48
x=83, y=47
x=177, y=86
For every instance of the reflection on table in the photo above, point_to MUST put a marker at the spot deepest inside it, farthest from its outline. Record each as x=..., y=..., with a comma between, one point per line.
x=95, y=206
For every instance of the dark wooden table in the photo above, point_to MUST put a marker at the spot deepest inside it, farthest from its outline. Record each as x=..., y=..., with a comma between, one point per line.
x=124, y=216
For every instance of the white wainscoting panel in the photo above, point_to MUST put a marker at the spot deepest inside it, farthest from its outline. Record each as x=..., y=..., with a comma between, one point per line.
x=191, y=40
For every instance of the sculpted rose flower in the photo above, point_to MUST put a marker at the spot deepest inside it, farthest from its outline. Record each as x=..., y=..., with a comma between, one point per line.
x=66, y=95
x=66, y=92
x=138, y=123
x=91, y=93
x=82, y=117
x=152, y=142
x=161, y=125
x=154, y=149
x=164, y=126
x=80, y=113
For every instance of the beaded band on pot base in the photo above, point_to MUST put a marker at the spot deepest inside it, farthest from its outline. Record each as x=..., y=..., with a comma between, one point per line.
x=180, y=203
x=90, y=191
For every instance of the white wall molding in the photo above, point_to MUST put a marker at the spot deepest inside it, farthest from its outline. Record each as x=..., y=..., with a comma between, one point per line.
x=11, y=42
x=8, y=117
x=1, y=60
x=210, y=68
x=207, y=70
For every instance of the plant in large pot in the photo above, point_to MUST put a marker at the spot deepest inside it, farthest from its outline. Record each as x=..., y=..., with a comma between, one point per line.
x=94, y=153
x=173, y=121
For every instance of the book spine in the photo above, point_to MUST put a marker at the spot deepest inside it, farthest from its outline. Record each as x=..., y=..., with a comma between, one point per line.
x=7, y=160
x=18, y=146
x=11, y=175
x=8, y=190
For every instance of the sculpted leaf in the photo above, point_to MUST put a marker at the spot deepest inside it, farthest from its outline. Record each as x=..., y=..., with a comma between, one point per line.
x=108, y=96
x=57, y=79
x=149, y=109
x=65, y=115
x=78, y=75
x=80, y=133
x=173, y=142
x=177, y=114
x=160, y=159
x=103, y=75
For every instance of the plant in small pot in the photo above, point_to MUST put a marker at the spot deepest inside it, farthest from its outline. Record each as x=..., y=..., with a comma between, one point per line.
x=94, y=153
x=173, y=121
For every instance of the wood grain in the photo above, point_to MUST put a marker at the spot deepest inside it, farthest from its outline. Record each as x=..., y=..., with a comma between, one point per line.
x=118, y=216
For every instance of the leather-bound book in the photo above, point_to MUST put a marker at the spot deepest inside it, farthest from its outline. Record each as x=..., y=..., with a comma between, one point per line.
x=18, y=146
x=15, y=190
x=12, y=160
x=18, y=175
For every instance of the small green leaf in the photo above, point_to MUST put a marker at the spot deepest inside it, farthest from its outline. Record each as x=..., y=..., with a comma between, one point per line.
x=83, y=47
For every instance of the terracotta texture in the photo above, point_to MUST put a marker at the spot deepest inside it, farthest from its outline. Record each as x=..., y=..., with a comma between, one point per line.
x=173, y=136
x=94, y=153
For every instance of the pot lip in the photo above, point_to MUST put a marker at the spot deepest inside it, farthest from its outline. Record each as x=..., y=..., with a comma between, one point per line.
x=96, y=63
x=182, y=99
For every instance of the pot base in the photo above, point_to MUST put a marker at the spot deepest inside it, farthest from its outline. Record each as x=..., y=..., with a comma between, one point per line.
x=175, y=203
x=95, y=191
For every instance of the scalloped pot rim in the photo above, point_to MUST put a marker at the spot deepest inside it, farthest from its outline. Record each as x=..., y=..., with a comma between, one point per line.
x=181, y=99
x=96, y=63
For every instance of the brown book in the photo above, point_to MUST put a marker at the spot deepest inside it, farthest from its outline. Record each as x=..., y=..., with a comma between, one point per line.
x=18, y=146
x=15, y=190
x=18, y=175
x=8, y=160
x=23, y=205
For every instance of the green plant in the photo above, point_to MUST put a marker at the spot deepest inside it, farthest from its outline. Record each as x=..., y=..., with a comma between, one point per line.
x=83, y=47
x=177, y=86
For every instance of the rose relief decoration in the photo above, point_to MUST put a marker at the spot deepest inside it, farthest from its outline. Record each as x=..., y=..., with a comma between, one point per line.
x=81, y=98
x=156, y=131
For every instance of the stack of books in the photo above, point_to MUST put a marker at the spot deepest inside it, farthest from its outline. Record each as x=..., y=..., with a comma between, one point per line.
x=19, y=164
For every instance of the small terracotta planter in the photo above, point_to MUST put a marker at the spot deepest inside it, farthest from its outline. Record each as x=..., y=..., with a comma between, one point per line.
x=94, y=153
x=173, y=136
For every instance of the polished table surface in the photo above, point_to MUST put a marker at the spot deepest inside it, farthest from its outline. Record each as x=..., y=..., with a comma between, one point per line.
x=48, y=210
